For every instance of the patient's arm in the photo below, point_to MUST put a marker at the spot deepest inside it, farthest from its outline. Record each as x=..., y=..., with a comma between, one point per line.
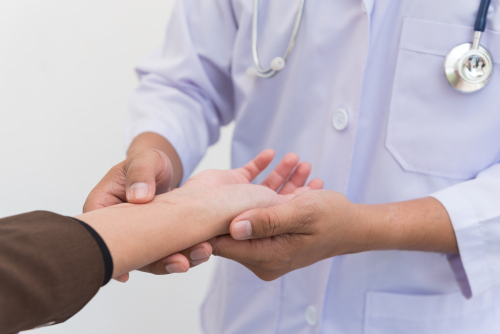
x=137, y=235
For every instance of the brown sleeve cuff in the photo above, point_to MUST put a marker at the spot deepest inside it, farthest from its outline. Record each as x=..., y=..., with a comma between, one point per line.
x=106, y=255
x=50, y=268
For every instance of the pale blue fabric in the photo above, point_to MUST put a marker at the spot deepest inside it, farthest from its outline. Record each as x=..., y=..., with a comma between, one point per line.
x=410, y=135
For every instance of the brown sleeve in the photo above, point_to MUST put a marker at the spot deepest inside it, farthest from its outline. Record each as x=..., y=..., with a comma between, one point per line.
x=50, y=267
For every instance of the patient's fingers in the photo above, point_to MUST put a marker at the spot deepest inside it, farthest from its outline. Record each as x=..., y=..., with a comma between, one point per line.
x=316, y=184
x=282, y=172
x=257, y=165
x=298, y=178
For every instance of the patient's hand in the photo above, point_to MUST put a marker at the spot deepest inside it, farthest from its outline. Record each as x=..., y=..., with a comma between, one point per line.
x=288, y=177
x=246, y=174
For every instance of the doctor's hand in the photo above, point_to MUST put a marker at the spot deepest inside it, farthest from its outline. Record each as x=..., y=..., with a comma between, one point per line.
x=320, y=224
x=311, y=227
x=137, y=180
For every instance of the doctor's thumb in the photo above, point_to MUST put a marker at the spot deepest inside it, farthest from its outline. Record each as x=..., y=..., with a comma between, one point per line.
x=261, y=223
x=147, y=174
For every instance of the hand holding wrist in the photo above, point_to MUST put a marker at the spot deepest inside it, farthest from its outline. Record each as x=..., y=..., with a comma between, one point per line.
x=137, y=235
x=322, y=224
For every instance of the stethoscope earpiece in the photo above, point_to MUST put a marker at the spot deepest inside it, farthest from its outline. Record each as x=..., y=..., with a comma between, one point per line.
x=278, y=64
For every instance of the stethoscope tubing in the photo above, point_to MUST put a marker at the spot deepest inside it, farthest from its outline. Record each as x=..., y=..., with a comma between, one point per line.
x=482, y=16
x=479, y=27
x=269, y=72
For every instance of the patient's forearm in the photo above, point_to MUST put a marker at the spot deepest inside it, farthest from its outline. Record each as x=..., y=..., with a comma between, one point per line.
x=137, y=235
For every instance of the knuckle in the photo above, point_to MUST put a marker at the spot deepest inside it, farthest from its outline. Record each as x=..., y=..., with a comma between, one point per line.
x=159, y=158
x=146, y=164
x=306, y=216
x=149, y=268
x=114, y=175
x=270, y=223
x=157, y=269
x=139, y=168
x=220, y=251
x=118, y=169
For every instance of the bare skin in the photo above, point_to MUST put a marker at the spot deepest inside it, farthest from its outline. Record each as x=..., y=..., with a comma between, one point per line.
x=317, y=225
x=287, y=175
x=322, y=224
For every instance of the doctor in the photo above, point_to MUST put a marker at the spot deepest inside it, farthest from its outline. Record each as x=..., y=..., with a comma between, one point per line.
x=406, y=237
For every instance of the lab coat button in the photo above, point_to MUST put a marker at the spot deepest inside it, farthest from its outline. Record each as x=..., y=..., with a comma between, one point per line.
x=311, y=316
x=340, y=119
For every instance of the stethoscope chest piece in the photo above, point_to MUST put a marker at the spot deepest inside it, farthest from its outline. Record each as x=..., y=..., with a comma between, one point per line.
x=468, y=70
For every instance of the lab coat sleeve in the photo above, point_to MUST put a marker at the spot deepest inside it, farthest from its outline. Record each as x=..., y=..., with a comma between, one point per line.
x=474, y=209
x=185, y=92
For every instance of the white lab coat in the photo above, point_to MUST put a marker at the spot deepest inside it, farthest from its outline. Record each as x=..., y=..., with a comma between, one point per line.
x=408, y=135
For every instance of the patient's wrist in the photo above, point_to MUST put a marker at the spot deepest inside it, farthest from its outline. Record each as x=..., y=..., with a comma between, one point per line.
x=208, y=207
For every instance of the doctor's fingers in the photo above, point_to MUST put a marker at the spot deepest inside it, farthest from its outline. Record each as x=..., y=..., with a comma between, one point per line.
x=109, y=191
x=182, y=261
x=294, y=217
x=147, y=173
x=268, y=258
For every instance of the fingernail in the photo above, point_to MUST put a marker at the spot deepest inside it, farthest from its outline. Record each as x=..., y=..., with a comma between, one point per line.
x=175, y=268
x=242, y=230
x=139, y=190
x=198, y=254
x=195, y=263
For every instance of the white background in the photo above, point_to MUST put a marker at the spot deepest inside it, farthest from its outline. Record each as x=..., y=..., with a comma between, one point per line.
x=66, y=71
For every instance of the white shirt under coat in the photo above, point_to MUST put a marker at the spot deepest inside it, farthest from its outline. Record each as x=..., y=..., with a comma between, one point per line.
x=407, y=135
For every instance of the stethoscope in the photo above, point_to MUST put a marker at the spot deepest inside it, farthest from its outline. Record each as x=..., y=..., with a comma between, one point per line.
x=468, y=67
x=278, y=63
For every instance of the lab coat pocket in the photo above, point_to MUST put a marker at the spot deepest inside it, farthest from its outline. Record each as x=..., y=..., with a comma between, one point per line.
x=437, y=314
x=433, y=129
